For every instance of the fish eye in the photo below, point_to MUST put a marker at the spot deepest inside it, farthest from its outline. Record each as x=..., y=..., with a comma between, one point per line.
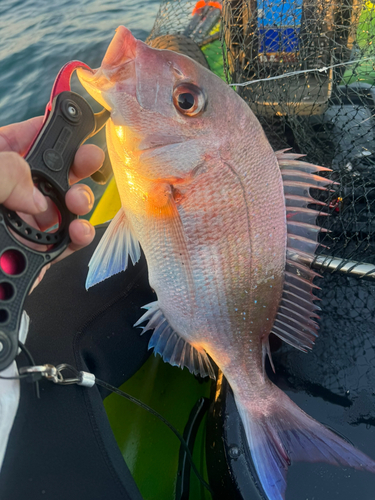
x=189, y=99
x=185, y=101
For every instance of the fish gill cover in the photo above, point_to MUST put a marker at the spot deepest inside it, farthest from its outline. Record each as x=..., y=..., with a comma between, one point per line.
x=308, y=73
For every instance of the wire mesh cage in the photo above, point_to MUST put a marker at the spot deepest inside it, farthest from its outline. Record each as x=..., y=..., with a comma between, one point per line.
x=316, y=64
x=307, y=70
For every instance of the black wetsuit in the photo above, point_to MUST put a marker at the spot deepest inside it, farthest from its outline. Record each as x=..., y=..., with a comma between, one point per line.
x=62, y=447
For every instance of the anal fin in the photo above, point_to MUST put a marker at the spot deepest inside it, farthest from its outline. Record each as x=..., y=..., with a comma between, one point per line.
x=171, y=346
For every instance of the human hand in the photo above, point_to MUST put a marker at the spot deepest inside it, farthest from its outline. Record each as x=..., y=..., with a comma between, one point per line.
x=17, y=191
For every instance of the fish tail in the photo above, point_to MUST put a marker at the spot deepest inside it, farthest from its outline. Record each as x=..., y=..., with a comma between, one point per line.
x=278, y=431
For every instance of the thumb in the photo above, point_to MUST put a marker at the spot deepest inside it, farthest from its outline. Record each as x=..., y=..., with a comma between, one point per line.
x=17, y=191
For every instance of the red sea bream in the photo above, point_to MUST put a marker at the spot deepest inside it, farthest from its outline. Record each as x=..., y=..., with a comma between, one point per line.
x=228, y=236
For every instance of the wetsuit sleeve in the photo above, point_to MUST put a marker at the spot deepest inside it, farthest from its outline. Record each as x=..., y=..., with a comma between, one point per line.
x=62, y=446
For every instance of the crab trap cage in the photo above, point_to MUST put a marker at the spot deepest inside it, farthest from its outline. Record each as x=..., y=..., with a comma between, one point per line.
x=306, y=68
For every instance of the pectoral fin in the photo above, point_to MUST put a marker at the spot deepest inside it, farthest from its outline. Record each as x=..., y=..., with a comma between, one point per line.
x=171, y=346
x=111, y=255
x=162, y=208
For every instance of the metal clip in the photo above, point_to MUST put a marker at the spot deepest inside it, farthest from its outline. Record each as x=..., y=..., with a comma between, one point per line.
x=47, y=371
x=54, y=374
x=67, y=381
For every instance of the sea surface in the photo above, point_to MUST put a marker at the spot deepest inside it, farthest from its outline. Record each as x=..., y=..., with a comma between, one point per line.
x=37, y=37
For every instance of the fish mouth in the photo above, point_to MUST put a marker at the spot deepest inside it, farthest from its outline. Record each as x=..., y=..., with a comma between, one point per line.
x=117, y=69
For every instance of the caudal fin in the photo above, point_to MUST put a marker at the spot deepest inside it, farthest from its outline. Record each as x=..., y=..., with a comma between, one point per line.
x=278, y=431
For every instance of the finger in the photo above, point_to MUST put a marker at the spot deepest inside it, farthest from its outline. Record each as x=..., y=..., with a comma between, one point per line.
x=18, y=136
x=49, y=218
x=17, y=191
x=81, y=233
x=80, y=199
x=88, y=159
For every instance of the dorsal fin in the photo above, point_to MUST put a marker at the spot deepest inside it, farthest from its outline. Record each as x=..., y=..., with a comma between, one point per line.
x=112, y=253
x=294, y=321
x=171, y=346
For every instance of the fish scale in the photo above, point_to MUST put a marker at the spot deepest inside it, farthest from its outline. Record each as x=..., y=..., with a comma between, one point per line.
x=229, y=264
x=212, y=255
x=228, y=235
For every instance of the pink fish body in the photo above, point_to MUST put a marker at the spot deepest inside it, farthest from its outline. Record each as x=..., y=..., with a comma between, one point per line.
x=227, y=234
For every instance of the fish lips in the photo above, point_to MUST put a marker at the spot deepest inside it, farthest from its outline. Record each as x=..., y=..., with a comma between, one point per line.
x=133, y=68
x=116, y=71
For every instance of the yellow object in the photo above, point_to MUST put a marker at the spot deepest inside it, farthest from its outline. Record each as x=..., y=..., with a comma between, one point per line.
x=108, y=205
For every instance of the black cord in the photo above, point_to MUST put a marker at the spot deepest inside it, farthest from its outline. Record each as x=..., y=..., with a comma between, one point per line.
x=30, y=359
x=16, y=377
x=160, y=417
x=27, y=353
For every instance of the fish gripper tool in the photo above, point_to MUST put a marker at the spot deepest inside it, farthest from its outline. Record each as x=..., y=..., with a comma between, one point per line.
x=68, y=122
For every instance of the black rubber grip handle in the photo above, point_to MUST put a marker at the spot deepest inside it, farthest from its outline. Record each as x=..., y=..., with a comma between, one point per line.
x=70, y=122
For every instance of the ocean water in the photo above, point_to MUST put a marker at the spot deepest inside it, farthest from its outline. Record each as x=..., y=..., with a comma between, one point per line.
x=39, y=36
